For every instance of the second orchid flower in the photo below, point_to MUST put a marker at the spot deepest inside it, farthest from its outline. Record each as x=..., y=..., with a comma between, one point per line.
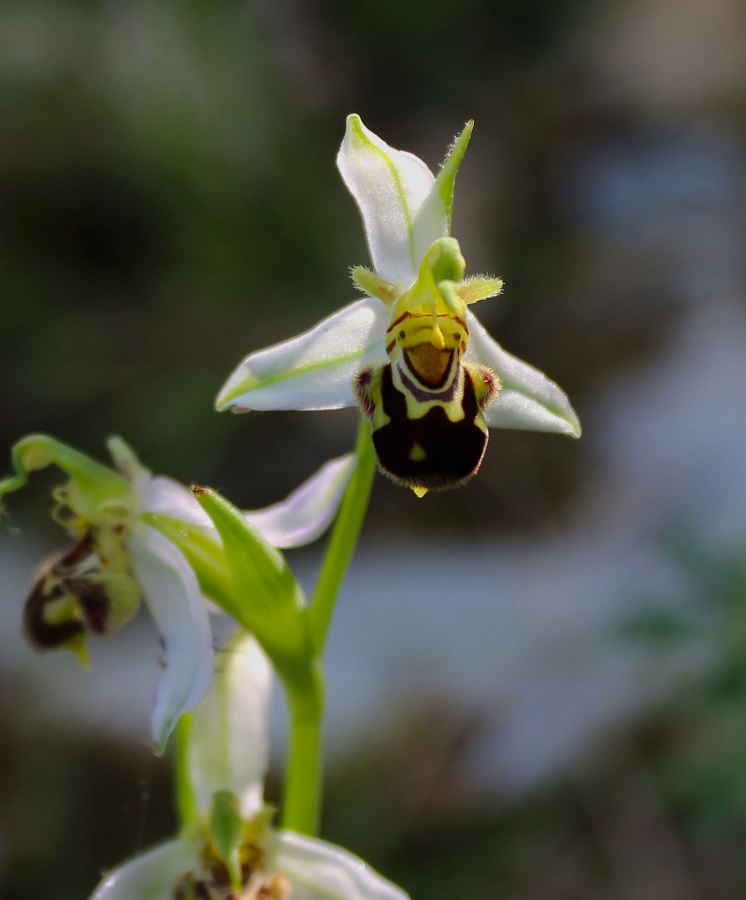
x=136, y=535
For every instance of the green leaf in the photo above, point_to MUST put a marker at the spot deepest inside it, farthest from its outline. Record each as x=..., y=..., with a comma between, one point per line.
x=269, y=602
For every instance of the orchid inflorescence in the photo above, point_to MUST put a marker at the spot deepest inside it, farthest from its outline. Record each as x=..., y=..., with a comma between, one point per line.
x=429, y=382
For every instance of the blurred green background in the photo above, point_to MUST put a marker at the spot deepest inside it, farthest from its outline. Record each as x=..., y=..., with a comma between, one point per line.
x=169, y=201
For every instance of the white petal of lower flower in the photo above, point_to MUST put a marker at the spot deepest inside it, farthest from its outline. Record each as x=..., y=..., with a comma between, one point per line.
x=318, y=870
x=402, y=210
x=128, y=463
x=315, y=369
x=528, y=399
x=228, y=747
x=180, y=613
x=309, y=510
x=149, y=876
x=167, y=497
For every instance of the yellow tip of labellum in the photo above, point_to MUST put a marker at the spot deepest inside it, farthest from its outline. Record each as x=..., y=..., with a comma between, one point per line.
x=420, y=491
x=78, y=647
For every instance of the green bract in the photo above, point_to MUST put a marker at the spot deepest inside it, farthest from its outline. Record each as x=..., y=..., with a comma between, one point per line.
x=274, y=609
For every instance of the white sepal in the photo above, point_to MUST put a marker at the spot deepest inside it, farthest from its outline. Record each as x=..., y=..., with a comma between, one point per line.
x=528, y=399
x=402, y=210
x=313, y=370
x=149, y=876
x=128, y=464
x=166, y=497
x=318, y=870
x=176, y=603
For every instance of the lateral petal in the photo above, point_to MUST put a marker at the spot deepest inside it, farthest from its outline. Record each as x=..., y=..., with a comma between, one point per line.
x=306, y=513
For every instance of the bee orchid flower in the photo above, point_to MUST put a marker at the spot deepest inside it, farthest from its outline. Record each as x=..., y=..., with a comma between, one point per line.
x=135, y=536
x=410, y=354
x=228, y=847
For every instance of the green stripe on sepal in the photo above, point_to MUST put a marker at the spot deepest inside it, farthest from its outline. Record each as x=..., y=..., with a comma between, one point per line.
x=268, y=601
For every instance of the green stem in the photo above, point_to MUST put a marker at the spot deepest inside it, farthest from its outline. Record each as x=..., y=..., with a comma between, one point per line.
x=302, y=795
x=344, y=538
x=186, y=801
x=303, y=777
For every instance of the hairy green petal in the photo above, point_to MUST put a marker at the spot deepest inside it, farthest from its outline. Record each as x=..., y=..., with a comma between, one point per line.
x=446, y=178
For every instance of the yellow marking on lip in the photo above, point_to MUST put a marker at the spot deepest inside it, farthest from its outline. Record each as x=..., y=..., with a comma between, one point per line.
x=417, y=453
x=427, y=315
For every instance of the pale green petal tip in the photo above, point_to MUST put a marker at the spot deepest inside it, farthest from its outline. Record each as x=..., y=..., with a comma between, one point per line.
x=355, y=129
x=574, y=422
x=567, y=419
x=358, y=135
x=232, y=389
x=239, y=383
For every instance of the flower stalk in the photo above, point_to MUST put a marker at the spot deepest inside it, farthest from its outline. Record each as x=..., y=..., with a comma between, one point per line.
x=301, y=806
x=344, y=538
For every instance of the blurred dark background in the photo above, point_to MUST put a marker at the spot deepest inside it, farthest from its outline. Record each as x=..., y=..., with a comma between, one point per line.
x=169, y=201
